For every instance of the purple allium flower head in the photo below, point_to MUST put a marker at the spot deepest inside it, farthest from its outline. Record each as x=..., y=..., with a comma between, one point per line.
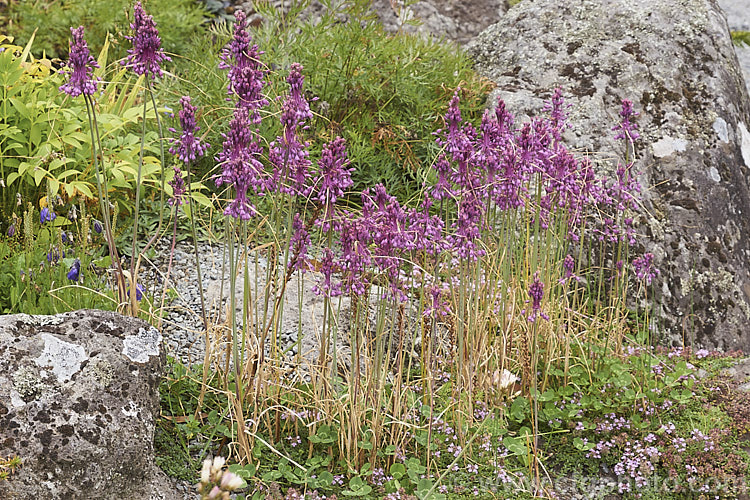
x=334, y=175
x=146, y=56
x=188, y=147
x=558, y=113
x=568, y=268
x=80, y=67
x=536, y=292
x=288, y=153
x=75, y=271
x=644, y=267
x=246, y=73
x=298, y=245
x=241, y=166
x=326, y=286
x=178, y=188
x=626, y=128
x=47, y=215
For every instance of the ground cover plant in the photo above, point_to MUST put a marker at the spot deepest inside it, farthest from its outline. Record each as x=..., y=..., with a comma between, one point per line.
x=489, y=345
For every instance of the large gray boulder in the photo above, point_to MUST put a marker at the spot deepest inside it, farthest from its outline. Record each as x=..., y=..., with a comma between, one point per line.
x=79, y=398
x=675, y=61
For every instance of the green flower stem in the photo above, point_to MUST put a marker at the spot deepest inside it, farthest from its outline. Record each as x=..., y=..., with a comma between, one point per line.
x=193, y=211
x=101, y=184
x=133, y=269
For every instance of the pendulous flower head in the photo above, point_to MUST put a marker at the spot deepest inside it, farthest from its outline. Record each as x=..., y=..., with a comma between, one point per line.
x=80, y=67
x=178, y=188
x=46, y=215
x=188, y=147
x=626, y=129
x=241, y=165
x=146, y=56
x=246, y=72
x=334, y=175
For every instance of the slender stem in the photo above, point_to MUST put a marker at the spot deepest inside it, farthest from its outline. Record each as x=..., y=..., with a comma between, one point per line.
x=101, y=184
x=161, y=152
x=193, y=211
x=133, y=254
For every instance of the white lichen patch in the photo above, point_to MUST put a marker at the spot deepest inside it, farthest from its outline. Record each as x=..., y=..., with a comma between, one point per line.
x=62, y=357
x=144, y=344
x=744, y=143
x=667, y=146
x=15, y=399
x=714, y=174
x=721, y=129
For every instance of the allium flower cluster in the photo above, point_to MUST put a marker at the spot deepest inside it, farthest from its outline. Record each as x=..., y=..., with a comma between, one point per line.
x=241, y=165
x=246, y=73
x=146, y=56
x=333, y=173
x=178, y=188
x=288, y=153
x=188, y=147
x=644, y=268
x=536, y=294
x=626, y=129
x=298, y=245
x=80, y=67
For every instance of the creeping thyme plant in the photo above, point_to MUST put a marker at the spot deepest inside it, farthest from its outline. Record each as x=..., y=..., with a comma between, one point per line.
x=474, y=337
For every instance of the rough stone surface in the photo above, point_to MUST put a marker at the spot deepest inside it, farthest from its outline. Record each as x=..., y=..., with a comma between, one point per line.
x=452, y=20
x=79, y=400
x=674, y=59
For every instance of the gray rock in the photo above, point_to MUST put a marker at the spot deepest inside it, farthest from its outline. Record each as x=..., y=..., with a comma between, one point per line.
x=452, y=20
x=674, y=59
x=455, y=20
x=79, y=398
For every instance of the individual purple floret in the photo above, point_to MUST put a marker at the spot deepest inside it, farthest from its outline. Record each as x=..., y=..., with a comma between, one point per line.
x=644, y=268
x=146, y=56
x=80, y=67
x=188, y=147
x=626, y=129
